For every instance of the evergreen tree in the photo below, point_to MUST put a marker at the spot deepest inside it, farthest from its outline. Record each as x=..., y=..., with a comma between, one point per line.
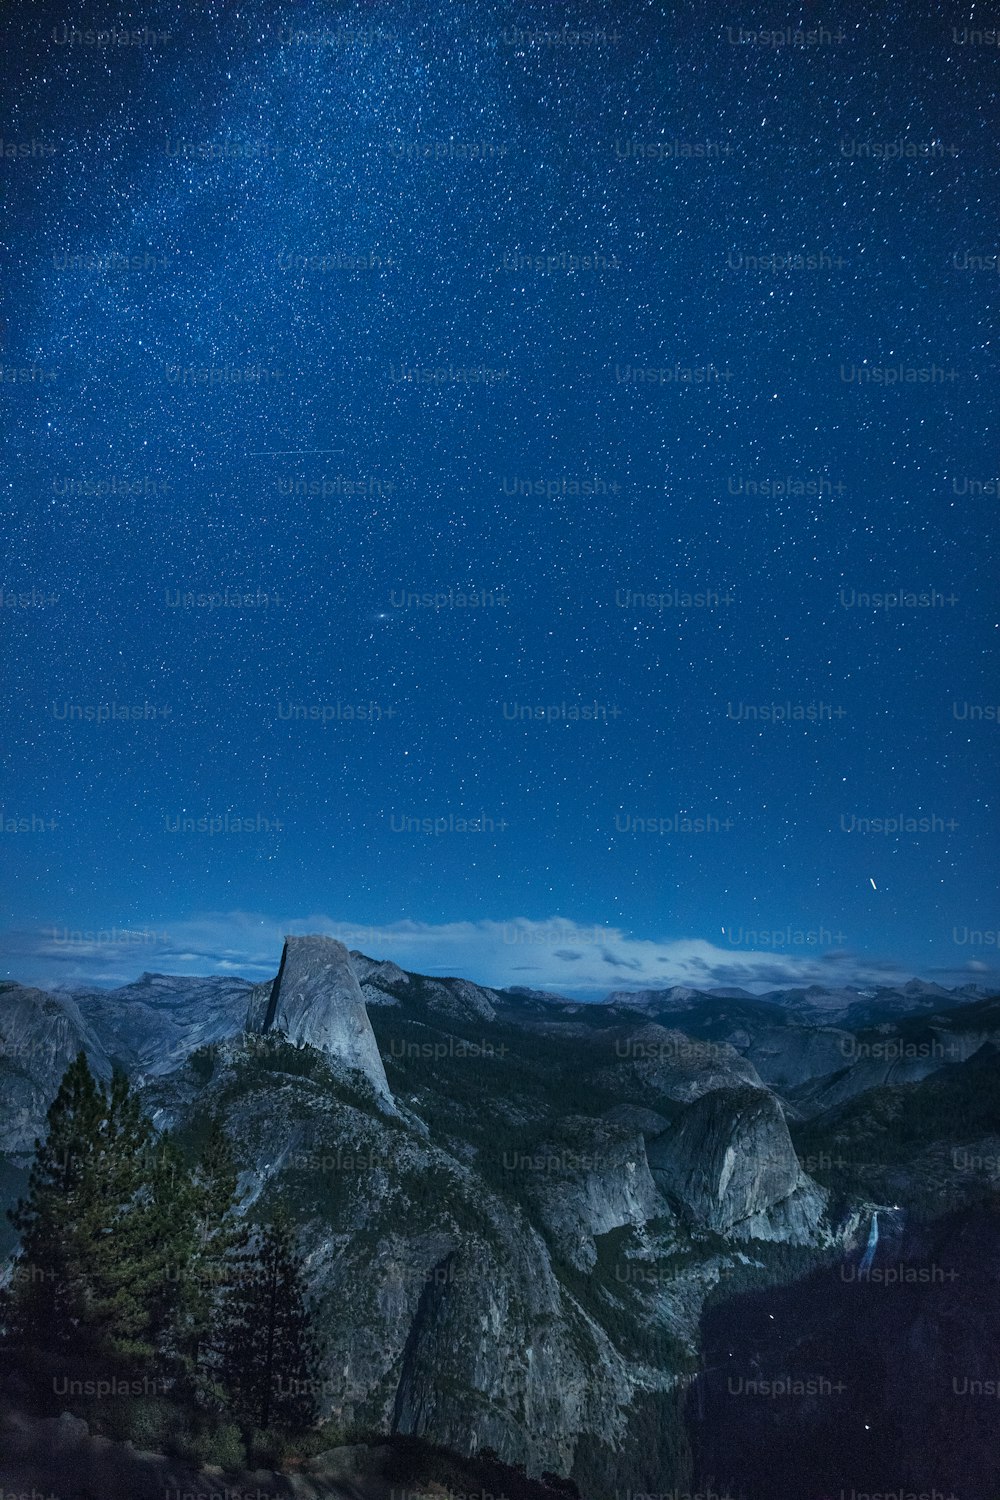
x=129, y=1258
x=211, y=1260
x=134, y=1229
x=99, y=1228
x=270, y=1356
x=46, y=1305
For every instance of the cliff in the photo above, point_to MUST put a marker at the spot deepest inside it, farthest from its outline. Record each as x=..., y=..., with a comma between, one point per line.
x=315, y=1001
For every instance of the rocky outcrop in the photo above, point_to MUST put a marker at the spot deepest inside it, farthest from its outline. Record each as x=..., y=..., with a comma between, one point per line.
x=436, y=1300
x=787, y=1056
x=59, y=1458
x=730, y=1164
x=374, y=996
x=152, y=1025
x=461, y=1000
x=315, y=1001
x=40, y=1035
x=587, y=1178
x=680, y=1067
x=526, y=1372
x=380, y=971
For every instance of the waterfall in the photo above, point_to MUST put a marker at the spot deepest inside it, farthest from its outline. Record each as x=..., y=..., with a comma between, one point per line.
x=872, y=1246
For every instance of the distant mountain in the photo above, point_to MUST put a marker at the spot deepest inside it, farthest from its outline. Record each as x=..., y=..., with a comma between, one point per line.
x=153, y=1024
x=315, y=1000
x=40, y=1035
x=813, y=1003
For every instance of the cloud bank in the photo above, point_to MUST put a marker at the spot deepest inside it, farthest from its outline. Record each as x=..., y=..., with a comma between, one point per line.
x=556, y=954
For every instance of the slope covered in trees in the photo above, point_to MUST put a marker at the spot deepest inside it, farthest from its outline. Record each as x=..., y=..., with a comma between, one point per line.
x=142, y=1300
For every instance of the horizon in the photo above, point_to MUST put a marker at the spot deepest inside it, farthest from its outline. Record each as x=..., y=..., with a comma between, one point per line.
x=108, y=959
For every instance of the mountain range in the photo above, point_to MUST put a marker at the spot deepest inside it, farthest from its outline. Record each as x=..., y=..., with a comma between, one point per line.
x=529, y=1221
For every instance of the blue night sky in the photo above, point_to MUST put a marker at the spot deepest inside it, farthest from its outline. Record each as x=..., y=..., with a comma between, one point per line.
x=327, y=308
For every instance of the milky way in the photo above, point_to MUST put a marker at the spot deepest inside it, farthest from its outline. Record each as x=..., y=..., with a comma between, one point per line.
x=477, y=463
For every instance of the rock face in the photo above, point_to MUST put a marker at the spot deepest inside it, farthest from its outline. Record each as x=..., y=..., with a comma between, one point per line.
x=316, y=1001
x=152, y=1025
x=731, y=1165
x=385, y=983
x=459, y=998
x=40, y=1035
x=438, y=1304
x=588, y=1178
x=679, y=1067
x=380, y=971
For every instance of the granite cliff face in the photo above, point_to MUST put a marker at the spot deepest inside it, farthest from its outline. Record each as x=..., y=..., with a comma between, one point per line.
x=438, y=1294
x=731, y=1165
x=151, y=1026
x=679, y=1068
x=315, y=1001
x=588, y=1178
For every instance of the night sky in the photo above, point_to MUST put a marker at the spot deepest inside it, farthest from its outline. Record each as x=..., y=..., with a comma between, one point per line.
x=672, y=347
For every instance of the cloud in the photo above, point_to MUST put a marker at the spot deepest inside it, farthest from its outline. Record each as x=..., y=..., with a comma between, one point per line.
x=556, y=954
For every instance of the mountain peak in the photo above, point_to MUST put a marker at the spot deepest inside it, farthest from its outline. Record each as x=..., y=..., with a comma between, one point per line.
x=315, y=1000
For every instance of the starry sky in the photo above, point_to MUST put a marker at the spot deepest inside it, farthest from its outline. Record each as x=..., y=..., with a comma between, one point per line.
x=665, y=338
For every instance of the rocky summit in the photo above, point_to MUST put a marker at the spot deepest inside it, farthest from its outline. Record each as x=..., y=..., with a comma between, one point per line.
x=315, y=1000
x=730, y=1162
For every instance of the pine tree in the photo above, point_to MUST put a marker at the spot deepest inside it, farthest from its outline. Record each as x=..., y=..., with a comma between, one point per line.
x=99, y=1228
x=216, y=1238
x=270, y=1355
x=132, y=1228
x=127, y=1257
x=46, y=1308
